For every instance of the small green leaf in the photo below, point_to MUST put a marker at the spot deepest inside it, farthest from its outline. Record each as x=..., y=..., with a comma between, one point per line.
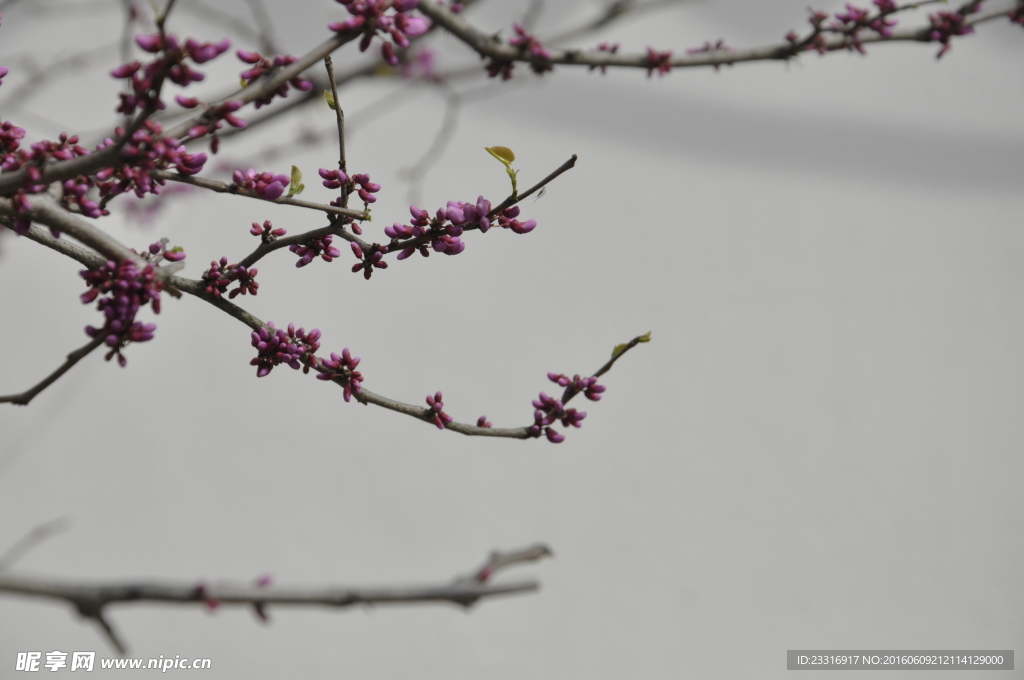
x=244, y=82
x=296, y=186
x=330, y=100
x=619, y=349
x=505, y=157
x=502, y=153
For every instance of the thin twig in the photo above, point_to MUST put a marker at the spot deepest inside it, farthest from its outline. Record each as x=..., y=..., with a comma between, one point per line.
x=161, y=19
x=340, y=115
x=73, y=358
x=419, y=169
x=30, y=540
x=264, y=24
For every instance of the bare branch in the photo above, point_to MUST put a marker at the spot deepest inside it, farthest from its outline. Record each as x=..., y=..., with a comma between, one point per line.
x=499, y=560
x=90, y=599
x=73, y=358
x=340, y=115
x=30, y=540
x=266, y=26
x=419, y=169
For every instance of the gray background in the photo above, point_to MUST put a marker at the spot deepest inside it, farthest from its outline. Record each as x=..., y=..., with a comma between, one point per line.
x=819, y=449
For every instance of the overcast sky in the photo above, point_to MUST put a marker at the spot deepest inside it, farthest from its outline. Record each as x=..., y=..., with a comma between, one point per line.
x=821, y=448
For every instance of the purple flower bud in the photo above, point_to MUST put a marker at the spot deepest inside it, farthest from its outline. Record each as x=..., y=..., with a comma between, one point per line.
x=455, y=214
x=149, y=43
x=415, y=26
x=275, y=189
x=125, y=70
x=553, y=436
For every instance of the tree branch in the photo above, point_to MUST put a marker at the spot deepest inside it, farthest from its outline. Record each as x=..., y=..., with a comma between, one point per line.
x=225, y=188
x=91, y=599
x=490, y=46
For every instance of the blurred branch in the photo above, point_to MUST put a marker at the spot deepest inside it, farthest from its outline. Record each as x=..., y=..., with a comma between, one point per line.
x=30, y=540
x=37, y=77
x=91, y=599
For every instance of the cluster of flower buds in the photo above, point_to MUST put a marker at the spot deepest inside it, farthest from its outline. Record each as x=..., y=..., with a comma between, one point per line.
x=442, y=232
x=123, y=290
x=436, y=411
x=12, y=157
x=360, y=184
x=497, y=68
x=10, y=139
x=220, y=275
x=855, y=19
x=213, y=118
x=147, y=150
x=548, y=410
x=147, y=79
x=275, y=346
x=23, y=215
x=264, y=184
x=1017, y=14
x=342, y=370
x=315, y=247
x=506, y=220
x=529, y=44
x=847, y=23
x=3, y=72
x=369, y=260
x=483, y=422
x=373, y=16
x=588, y=386
x=76, y=193
x=946, y=25
x=266, y=231
x=658, y=61
x=261, y=66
